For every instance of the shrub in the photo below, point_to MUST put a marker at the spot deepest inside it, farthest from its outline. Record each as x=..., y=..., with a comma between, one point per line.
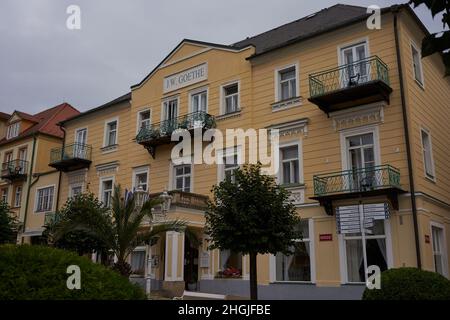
x=39, y=273
x=8, y=224
x=410, y=284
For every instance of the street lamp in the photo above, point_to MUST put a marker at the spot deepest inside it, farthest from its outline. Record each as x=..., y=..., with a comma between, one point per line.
x=166, y=199
x=140, y=197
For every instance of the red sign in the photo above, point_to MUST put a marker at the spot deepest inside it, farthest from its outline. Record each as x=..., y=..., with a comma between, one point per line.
x=427, y=238
x=326, y=237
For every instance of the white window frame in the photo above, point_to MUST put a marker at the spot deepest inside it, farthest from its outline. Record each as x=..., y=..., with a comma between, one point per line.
x=13, y=130
x=163, y=106
x=139, y=119
x=356, y=132
x=343, y=252
x=222, y=97
x=100, y=191
x=299, y=144
x=141, y=170
x=312, y=259
x=443, y=247
x=421, y=81
x=197, y=91
x=75, y=138
x=18, y=204
x=174, y=176
x=277, y=79
x=227, y=152
x=73, y=186
x=433, y=169
x=353, y=43
x=140, y=249
x=6, y=194
x=36, y=199
x=106, y=132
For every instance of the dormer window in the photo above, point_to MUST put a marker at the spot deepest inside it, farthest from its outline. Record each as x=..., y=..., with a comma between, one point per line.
x=13, y=130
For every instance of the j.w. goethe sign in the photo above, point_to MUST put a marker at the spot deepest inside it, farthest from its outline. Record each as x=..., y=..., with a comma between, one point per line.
x=186, y=78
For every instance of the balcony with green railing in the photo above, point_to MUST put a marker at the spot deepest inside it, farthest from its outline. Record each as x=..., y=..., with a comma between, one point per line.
x=358, y=183
x=14, y=170
x=358, y=83
x=51, y=217
x=71, y=157
x=160, y=133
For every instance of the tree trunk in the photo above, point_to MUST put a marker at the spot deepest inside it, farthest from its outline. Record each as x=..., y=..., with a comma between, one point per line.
x=253, y=277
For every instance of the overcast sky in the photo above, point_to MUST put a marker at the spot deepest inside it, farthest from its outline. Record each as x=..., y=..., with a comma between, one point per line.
x=42, y=63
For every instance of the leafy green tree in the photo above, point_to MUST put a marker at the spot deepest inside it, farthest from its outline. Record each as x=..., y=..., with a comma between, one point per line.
x=8, y=224
x=437, y=42
x=120, y=228
x=252, y=215
x=80, y=207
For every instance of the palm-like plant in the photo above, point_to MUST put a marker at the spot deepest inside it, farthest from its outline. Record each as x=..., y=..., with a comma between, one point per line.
x=121, y=228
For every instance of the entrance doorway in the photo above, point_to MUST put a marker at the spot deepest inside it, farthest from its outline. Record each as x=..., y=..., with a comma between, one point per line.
x=190, y=265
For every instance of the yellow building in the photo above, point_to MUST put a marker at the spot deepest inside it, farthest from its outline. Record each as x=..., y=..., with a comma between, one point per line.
x=27, y=183
x=362, y=123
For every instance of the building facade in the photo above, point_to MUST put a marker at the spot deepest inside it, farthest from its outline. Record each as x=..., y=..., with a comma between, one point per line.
x=362, y=123
x=27, y=183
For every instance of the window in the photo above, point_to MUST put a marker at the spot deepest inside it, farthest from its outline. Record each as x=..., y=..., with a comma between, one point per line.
x=287, y=83
x=140, y=179
x=4, y=195
x=170, y=111
x=375, y=252
x=354, y=73
x=230, y=260
x=144, y=119
x=417, y=65
x=183, y=178
x=199, y=101
x=13, y=130
x=439, y=252
x=290, y=172
x=231, y=98
x=44, y=199
x=75, y=190
x=427, y=152
x=230, y=164
x=106, y=191
x=17, y=196
x=137, y=262
x=111, y=133
x=8, y=156
x=297, y=266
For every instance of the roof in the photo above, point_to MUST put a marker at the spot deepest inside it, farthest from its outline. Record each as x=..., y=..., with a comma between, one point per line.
x=4, y=116
x=124, y=98
x=45, y=122
x=323, y=20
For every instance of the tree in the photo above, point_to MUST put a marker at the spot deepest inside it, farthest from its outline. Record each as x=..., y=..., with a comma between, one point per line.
x=120, y=229
x=251, y=215
x=437, y=42
x=8, y=224
x=80, y=207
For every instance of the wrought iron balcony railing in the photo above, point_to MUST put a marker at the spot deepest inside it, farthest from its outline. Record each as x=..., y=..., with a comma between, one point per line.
x=357, y=180
x=51, y=217
x=74, y=151
x=14, y=168
x=348, y=76
x=165, y=128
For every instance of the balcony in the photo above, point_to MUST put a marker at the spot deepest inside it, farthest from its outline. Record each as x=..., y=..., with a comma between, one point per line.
x=160, y=133
x=185, y=200
x=357, y=183
x=362, y=82
x=51, y=217
x=71, y=157
x=14, y=170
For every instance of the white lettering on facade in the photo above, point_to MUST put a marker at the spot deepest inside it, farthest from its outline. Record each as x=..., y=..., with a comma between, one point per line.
x=185, y=78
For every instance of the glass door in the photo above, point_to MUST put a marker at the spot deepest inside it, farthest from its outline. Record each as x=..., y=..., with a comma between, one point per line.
x=80, y=144
x=354, y=73
x=361, y=157
x=170, y=115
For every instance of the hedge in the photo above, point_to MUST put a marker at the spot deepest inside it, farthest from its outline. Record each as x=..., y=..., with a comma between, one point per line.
x=410, y=284
x=40, y=273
